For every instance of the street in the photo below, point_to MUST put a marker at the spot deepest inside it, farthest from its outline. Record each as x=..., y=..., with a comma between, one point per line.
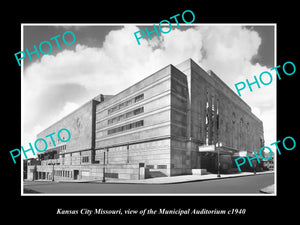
x=235, y=185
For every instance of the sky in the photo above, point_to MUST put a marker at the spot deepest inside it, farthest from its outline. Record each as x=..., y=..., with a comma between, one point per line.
x=107, y=59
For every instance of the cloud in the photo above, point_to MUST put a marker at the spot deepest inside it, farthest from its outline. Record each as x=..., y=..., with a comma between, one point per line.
x=58, y=83
x=228, y=52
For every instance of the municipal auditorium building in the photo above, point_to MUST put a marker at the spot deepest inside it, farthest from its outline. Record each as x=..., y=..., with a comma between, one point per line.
x=179, y=120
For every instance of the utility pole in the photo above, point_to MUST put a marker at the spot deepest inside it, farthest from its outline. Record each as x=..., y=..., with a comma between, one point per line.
x=218, y=162
x=103, y=176
x=52, y=170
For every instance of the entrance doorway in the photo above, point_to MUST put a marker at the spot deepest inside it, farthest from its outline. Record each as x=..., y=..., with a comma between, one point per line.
x=76, y=173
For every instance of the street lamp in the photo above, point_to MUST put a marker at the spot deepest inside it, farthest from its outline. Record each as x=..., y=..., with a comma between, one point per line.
x=103, y=176
x=52, y=164
x=217, y=145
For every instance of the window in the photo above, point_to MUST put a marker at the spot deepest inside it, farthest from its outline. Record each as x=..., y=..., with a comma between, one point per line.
x=59, y=148
x=126, y=103
x=140, y=123
x=126, y=127
x=161, y=166
x=150, y=166
x=213, y=103
x=138, y=111
x=139, y=98
x=112, y=175
x=85, y=159
x=125, y=116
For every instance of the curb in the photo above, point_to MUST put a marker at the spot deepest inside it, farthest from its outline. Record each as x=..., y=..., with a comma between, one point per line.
x=179, y=181
x=148, y=181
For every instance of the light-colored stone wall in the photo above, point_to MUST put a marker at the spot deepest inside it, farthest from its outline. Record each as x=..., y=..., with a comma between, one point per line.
x=155, y=116
x=80, y=125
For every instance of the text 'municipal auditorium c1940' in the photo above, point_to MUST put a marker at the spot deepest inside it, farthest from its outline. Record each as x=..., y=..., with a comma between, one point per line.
x=179, y=120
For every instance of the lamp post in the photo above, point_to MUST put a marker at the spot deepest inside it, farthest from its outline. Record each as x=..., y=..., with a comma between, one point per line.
x=254, y=166
x=52, y=170
x=217, y=145
x=103, y=176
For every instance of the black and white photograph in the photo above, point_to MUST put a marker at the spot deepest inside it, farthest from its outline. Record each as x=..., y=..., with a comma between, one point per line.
x=162, y=111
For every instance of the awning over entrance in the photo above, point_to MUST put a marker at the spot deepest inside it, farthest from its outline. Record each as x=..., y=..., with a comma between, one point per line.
x=206, y=148
x=222, y=149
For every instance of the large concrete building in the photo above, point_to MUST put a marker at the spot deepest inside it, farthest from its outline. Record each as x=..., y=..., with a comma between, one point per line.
x=176, y=121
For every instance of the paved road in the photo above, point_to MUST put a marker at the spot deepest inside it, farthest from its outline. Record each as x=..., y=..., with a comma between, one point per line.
x=236, y=185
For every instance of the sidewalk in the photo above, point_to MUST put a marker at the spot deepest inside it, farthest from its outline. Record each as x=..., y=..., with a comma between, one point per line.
x=169, y=180
x=268, y=190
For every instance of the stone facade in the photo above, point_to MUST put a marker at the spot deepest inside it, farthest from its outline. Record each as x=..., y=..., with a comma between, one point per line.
x=216, y=116
x=157, y=127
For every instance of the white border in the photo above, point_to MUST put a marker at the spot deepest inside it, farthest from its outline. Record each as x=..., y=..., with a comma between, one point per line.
x=146, y=24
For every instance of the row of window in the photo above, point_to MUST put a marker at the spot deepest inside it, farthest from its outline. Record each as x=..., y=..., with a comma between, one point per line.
x=125, y=116
x=49, y=155
x=112, y=175
x=161, y=166
x=158, y=166
x=126, y=103
x=66, y=173
x=63, y=173
x=58, y=148
x=126, y=127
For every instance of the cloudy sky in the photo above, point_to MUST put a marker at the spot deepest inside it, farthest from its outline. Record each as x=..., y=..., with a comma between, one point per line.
x=107, y=59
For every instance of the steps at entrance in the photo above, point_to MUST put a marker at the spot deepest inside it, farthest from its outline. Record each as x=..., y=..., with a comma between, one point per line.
x=155, y=173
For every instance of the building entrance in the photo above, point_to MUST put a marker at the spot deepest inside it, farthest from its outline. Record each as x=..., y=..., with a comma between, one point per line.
x=76, y=173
